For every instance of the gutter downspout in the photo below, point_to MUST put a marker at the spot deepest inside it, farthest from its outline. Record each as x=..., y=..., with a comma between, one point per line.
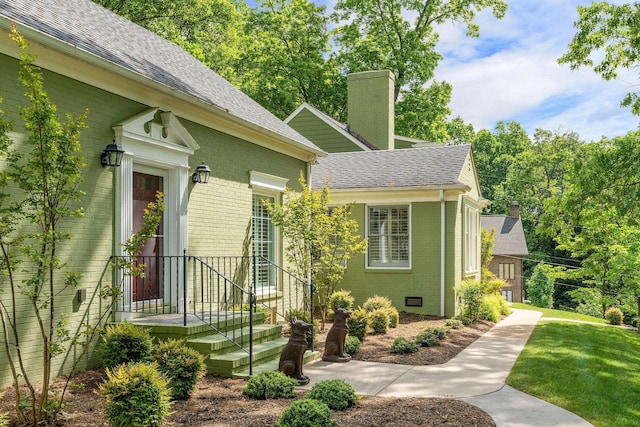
x=442, y=250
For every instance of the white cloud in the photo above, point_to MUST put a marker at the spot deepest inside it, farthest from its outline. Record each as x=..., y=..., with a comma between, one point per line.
x=511, y=73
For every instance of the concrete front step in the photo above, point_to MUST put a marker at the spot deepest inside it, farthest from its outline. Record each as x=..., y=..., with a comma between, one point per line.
x=272, y=365
x=171, y=326
x=229, y=363
x=218, y=343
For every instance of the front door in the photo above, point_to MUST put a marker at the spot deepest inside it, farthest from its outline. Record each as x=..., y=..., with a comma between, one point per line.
x=151, y=285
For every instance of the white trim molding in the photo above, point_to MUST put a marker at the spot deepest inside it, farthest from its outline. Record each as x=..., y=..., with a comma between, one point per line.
x=266, y=182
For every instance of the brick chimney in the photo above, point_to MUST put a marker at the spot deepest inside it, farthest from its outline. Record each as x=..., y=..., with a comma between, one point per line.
x=514, y=210
x=371, y=107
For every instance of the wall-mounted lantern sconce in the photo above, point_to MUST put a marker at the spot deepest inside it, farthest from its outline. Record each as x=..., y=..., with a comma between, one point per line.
x=112, y=155
x=201, y=175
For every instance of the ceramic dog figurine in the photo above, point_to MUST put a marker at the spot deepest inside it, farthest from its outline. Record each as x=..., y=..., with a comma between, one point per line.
x=291, y=358
x=334, y=345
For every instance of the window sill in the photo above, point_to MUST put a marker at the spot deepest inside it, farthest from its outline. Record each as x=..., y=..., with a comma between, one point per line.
x=388, y=270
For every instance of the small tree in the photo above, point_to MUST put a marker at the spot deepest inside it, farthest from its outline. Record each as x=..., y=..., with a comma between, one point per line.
x=320, y=240
x=540, y=286
x=38, y=190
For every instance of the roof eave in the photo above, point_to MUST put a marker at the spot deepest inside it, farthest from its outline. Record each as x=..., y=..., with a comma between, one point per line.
x=279, y=141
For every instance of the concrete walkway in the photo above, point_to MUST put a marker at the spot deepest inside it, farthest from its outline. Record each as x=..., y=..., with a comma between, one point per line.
x=477, y=375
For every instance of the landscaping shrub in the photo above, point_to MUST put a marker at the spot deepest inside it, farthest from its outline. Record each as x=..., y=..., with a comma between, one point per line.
x=183, y=366
x=4, y=417
x=454, y=323
x=379, y=321
x=394, y=317
x=466, y=321
x=358, y=323
x=270, y=385
x=471, y=292
x=540, y=286
x=490, y=308
x=401, y=345
x=341, y=299
x=136, y=395
x=630, y=319
x=613, y=315
x=306, y=413
x=125, y=343
x=441, y=331
x=336, y=394
x=352, y=344
x=376, y=302
x=427, y=338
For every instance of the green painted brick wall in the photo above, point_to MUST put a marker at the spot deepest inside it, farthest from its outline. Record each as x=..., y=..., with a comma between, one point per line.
x=423, y=279
x=219, y=212
x=323, y=135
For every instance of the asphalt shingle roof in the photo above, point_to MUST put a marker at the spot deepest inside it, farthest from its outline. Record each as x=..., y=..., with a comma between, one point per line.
x=509, y=237
x=415, y=167
x=91, y=28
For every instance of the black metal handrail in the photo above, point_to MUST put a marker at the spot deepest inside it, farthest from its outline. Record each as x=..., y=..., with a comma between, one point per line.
x=217, y=290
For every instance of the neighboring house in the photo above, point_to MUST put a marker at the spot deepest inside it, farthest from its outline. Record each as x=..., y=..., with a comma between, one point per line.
x=419, y=208
x=509, y=248
x=170, y=114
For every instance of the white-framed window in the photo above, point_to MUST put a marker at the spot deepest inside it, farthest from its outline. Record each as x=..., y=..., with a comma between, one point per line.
x=388, y=234
x=265, y=236
x=264, y=241
x=471, y=239
x=507, y=271
x=507, y=295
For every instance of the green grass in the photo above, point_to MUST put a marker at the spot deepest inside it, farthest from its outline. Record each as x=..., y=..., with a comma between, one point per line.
x=589, y=370
x=549, y=312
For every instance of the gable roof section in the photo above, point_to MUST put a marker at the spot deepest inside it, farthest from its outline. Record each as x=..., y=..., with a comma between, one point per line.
x=430, y=167
x=509, y=237
x=87, y=28
x=341, y=128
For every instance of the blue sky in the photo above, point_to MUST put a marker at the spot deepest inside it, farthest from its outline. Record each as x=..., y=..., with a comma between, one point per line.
x=511, y=73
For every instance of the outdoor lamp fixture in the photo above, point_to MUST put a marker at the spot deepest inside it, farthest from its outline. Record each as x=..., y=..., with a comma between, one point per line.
x=112, y=155
x=201, y=175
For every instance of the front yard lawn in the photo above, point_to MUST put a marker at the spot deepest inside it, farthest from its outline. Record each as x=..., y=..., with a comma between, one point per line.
x=590, y=370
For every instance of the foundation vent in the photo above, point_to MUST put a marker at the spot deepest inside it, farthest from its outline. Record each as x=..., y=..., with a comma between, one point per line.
x=413, y=301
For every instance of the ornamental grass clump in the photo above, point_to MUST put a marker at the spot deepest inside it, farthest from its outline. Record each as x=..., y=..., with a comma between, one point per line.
x=136, y=395
x=270, y=385
x=306, y=413
x=401, y=345
x=125, y=343
x=183, y=366
x=336, y=394
x=614, y=315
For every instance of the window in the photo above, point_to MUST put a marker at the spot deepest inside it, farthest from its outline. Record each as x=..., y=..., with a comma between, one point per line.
x=388, y=234
x=507, y=295
x=471, y=240
x=263, y=241
x=507, y=271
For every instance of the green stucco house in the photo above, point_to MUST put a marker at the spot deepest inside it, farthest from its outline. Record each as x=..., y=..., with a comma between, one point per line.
x=417, y=203
x=169, y=114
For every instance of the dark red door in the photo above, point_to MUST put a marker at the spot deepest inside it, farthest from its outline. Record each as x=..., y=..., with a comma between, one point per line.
x=150, y=286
